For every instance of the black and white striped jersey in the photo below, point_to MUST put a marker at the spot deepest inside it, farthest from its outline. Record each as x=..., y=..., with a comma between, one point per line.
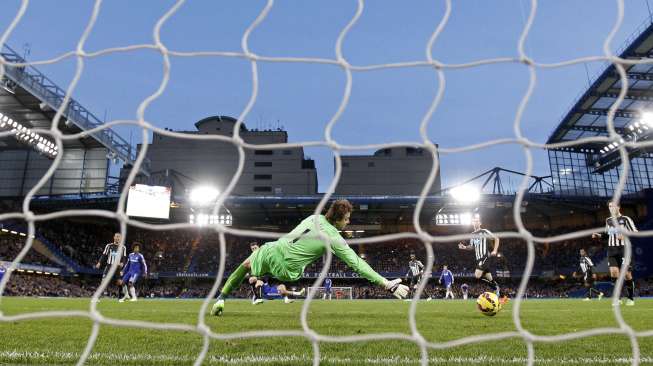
x=112, y=254
x=479, y=242
x=586, y=264
x=414, y=268
x=612, y=225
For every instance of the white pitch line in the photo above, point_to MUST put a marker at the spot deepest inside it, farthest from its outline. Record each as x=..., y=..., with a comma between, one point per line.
x=17, y=356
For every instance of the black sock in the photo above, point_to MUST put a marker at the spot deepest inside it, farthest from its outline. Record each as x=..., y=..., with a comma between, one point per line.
x=630, y=288
x=491, y=283
x=589, y=293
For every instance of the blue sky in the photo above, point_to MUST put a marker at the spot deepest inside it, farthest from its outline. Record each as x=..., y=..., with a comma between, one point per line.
x=479, y=103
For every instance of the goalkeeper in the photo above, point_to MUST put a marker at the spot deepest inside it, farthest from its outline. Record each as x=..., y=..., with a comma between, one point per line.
x=286, y=258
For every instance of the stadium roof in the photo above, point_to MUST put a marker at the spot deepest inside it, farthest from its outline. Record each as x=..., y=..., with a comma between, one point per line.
x=588, y=115
x=31, y=98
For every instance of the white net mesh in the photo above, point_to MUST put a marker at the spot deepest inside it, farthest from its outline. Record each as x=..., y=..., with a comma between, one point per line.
x=340, y=60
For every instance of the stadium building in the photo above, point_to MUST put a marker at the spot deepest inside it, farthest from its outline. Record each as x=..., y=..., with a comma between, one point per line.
x=592, y=168
x=29, y=100
x=399, y=171
x=278, y=188
x=267, y=172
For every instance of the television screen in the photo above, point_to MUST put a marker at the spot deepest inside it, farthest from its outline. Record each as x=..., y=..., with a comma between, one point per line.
x=149, y=201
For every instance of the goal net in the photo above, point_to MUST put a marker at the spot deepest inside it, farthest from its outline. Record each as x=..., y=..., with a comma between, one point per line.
x=342, y=61
x=336, y=293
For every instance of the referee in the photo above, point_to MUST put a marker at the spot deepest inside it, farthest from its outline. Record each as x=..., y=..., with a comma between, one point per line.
x=111, y=254
x=615, y=225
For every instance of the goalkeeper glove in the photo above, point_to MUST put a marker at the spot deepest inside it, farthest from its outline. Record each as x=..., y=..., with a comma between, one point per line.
x=398, y=290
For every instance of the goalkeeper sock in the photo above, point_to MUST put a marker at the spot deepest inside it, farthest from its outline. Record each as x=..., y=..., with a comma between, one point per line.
x=234, y=280
x=630, y=289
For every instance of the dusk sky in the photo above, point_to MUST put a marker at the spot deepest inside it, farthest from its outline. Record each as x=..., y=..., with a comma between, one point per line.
x=479, y=103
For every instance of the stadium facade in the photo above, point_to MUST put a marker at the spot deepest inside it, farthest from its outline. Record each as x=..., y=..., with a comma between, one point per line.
x=210, y=162
x=29, y=100
x=593, y=169
x=398, y=171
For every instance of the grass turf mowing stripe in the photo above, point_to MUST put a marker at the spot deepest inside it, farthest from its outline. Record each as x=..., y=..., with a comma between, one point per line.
x=291, y=358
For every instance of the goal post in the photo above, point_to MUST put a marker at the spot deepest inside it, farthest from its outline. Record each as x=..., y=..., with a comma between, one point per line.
x=430, y=98
x=337, y=293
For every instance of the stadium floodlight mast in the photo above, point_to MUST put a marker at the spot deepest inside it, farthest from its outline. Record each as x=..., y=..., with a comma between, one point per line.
x=465, y=194
x=204, y=195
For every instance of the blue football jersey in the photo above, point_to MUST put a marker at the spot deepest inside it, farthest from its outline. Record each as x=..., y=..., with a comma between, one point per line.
x=327, y=283
x=136, y=263
x=446, y=277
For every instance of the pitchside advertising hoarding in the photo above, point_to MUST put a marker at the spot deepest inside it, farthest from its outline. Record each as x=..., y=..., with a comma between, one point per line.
x=349, y=275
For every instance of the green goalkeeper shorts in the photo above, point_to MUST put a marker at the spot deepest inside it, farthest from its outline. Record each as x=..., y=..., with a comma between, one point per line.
x=269, y=260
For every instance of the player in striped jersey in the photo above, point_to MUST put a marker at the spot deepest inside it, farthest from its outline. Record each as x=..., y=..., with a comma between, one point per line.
x=254, y=285
x=614, y=227
x=478, y=243
x=414, y=275
x=415, y=270
x=112, y=253
x=587, y=270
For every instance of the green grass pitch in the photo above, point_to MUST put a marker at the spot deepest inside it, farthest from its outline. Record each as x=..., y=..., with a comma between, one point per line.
x=59, y=341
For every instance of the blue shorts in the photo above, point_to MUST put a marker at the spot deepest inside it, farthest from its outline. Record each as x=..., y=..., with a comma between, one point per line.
x=270, y=292
x=327, y=290
x=131, y=277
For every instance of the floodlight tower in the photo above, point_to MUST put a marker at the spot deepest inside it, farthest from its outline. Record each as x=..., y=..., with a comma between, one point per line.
x=203, y=207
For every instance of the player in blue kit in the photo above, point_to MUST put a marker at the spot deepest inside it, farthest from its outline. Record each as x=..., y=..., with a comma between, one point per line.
x=465, y=290
x=269, y=291
x=134, y=269
x=2, y=271
x=447, y=278
x=327, y=289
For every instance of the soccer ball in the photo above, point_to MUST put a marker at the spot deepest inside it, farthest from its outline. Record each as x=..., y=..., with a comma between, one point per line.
x=488, y=303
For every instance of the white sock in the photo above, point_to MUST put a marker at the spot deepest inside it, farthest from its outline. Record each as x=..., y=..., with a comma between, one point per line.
x=285, y=298
x=132, y=291
x=295, y=293
x=125, y=291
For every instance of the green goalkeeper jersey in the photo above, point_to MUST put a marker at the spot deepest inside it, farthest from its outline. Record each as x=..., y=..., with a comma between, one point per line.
x=286, y=258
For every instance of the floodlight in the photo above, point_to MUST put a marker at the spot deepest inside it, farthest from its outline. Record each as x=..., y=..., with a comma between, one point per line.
x=466, y=218
x=647, y=118
x=203, y=195
x=465, y=194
